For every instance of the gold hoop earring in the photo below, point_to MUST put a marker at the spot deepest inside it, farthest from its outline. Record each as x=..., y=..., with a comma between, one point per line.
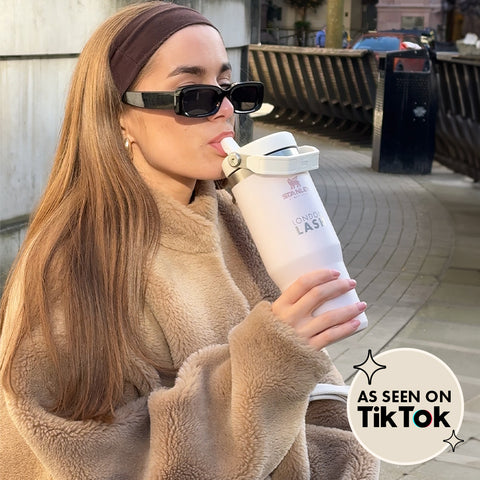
x=128, y=147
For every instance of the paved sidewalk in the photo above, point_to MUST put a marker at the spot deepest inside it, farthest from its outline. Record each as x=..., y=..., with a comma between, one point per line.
x=413, y=245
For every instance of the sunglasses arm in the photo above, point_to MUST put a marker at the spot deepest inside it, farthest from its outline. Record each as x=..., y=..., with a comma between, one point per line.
x=154, y=100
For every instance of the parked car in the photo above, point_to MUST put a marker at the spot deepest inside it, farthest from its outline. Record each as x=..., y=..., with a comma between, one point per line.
x=382, y=42
x=387, y=41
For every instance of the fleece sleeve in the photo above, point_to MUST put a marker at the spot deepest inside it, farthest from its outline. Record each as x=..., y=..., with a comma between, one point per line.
x=333, y=450
x=237, y=411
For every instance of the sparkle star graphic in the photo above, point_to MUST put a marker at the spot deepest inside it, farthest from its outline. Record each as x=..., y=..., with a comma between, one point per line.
x=453, y=440
x=369, y=367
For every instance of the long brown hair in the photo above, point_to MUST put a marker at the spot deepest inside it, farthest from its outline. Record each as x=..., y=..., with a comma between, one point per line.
x=87, y=247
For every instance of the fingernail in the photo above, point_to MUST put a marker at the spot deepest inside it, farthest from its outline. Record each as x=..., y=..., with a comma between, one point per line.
x=361, y=306
x=352, y=283
x=335, y=273
x=355, y=322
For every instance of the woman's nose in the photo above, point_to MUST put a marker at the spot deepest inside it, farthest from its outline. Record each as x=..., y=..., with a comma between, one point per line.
x=226, y=109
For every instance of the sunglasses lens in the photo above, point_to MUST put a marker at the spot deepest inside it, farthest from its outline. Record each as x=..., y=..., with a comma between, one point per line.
x=200, y=101
x=247, y=97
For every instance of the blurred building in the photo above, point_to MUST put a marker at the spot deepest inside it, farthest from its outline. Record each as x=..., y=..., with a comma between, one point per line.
x=278, y=18
x=450, y=19
x=408, y=14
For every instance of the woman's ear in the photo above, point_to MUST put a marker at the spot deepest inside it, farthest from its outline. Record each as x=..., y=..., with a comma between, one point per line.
x=131, y=124
x=127, y=138
x=123, y=124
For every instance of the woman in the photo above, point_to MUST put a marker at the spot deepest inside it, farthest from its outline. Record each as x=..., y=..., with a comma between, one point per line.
x=141, y=336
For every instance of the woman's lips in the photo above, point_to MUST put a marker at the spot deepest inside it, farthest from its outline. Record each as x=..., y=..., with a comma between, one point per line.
x=215, y=143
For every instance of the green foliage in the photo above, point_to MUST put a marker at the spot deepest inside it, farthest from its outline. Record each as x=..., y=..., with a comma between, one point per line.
x=302, y=27
x=301, y=32
x=469, y=7
x=304, y=5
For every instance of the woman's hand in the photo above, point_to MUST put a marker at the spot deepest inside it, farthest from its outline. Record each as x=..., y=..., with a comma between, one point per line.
x=296, y=306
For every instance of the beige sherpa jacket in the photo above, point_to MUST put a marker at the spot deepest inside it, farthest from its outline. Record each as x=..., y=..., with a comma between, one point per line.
x=238, y=408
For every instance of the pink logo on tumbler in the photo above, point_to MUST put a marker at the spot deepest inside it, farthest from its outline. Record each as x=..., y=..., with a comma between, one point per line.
x=296, y=188
x=294, y=183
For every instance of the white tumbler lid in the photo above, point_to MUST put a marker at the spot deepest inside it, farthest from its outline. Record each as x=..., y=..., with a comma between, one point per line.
x=259, y=156
x=270, y=144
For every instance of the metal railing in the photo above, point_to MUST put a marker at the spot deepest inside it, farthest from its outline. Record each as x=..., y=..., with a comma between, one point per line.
x=316, y=85
x=457, y=139
x=313, y=86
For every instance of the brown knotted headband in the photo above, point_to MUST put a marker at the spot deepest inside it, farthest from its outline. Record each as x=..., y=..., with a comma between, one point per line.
x=139, y=40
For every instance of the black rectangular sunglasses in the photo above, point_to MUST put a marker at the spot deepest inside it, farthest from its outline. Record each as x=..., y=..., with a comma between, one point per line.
x=200, y=100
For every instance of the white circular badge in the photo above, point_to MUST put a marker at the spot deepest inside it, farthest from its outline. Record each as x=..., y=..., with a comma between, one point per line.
x=405, y=406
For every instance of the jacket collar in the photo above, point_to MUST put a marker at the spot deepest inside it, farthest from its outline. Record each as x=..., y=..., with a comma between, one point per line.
x=190, y=227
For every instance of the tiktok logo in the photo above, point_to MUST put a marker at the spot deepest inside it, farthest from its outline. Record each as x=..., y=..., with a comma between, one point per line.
x=405, y=406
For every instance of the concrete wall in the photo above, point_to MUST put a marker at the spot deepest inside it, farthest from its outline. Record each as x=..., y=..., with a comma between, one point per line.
x=39, y=44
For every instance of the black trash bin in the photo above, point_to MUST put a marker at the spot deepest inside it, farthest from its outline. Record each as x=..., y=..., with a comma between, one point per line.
x=405, y=112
